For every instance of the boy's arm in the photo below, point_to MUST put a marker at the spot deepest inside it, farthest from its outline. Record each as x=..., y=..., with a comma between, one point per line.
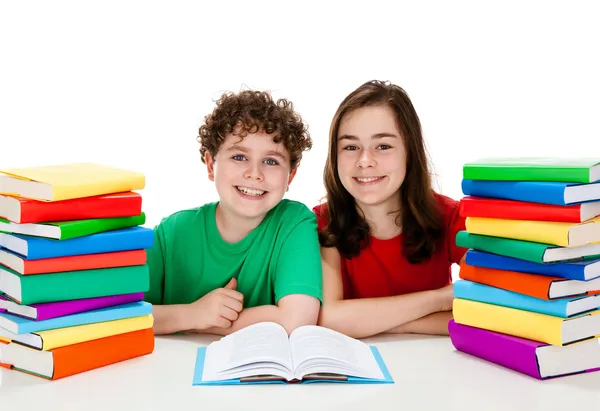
x=365, y=317
x=298, y=283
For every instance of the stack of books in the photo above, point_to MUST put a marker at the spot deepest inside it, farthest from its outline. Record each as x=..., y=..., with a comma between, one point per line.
x=73, y=269
x=527, y=298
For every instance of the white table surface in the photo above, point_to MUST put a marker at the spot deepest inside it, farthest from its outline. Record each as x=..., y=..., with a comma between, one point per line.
x=429, y=375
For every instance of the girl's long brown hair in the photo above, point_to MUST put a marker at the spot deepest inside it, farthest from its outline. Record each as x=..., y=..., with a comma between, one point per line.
x=420, y=217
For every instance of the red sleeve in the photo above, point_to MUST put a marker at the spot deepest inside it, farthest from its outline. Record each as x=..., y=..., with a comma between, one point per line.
x=455, y=223
x=322, y=216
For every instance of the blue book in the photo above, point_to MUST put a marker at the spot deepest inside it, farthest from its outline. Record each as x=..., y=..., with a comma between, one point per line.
x=582, y=270
x=263, y=354
x=545, y=192
x=20, y=325
x=35, y=248
x=564, y=308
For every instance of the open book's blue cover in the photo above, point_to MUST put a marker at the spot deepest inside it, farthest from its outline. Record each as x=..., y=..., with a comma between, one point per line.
x=199, y=368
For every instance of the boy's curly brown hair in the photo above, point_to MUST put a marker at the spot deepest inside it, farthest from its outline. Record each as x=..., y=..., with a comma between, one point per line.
x=250, y=112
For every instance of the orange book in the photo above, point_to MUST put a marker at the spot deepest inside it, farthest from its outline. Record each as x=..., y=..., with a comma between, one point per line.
x=77, y=358
x=534, y=285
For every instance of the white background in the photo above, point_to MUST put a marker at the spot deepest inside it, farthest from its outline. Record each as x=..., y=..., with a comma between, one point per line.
x=127, y=83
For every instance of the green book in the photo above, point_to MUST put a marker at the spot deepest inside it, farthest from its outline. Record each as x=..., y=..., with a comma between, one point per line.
x=63, y=230
x=526, y=250
x=574, y=170
x=74, y=285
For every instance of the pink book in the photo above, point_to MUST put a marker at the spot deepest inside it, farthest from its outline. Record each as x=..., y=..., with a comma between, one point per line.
x=45, y=311
x=533, y=358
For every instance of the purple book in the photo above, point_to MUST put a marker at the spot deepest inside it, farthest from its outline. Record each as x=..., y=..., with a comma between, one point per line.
x=45, y=311
x=533, y=358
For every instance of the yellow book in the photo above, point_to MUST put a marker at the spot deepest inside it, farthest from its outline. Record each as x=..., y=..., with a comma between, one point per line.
x=526, y=324
x=61, y=337
x=68, y=181
x=563, y=234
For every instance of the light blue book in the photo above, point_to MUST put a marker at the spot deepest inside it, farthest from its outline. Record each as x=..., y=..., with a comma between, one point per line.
x=263, y=354
x=20, y=325
x=35, y=248
x=564, y=308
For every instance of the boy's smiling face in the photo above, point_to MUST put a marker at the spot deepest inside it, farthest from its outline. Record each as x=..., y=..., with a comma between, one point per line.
x=251, y=174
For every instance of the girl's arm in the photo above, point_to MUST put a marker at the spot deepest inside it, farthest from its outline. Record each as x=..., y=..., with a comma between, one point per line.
x=433, y=324
x=364, y=317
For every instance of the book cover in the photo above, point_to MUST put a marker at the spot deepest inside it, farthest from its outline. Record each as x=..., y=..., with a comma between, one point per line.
x=19, y=325
x=24, y=210
x=46, y=311
x=533, y=358
x=68, y=181
x=543, y=192
x=526, y=250
x=64, y=230
x=25, y=266
x=547, y=232
x=36, y=248
x=74, y=285
x=574, y=270
x=77, y=358
x=317, y=378
x=564, y=308
x=582, y=170
x=521, y=210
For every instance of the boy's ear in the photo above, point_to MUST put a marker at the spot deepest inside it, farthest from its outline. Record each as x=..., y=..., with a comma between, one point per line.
x=210, y=166
x=291, y=177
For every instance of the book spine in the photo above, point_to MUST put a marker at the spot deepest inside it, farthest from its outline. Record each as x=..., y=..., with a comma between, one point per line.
x=513, y=353
x=46, y=311
x=84, y=262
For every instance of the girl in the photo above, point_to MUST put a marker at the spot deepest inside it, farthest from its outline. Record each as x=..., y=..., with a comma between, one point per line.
x=388, y=240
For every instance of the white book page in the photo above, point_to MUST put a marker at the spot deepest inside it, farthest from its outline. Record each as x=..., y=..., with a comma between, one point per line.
x=319, y=349
x=261, y=348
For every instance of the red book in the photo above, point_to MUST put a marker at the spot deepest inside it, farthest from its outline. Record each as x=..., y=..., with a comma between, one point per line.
x=520, y=210
x=24, y=210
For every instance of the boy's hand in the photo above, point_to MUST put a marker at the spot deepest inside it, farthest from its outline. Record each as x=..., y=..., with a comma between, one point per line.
x=219, y=308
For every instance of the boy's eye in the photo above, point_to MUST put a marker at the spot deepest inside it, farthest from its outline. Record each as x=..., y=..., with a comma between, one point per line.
x=239, y=157
x=271, y=162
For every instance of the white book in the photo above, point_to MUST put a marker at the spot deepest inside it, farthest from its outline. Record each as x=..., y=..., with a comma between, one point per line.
x=264, y=352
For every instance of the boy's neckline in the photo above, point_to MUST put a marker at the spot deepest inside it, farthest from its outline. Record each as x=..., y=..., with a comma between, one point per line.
x=238, y=246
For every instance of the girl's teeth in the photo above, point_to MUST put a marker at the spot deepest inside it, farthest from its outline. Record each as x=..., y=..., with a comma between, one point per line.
x=250, y=191
x=367, y=180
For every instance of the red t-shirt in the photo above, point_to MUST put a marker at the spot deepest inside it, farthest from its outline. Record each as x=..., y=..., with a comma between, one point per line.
x=380, y=270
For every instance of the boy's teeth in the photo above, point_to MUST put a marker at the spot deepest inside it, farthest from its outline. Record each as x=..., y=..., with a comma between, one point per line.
x=367, y=180
x=250, y=191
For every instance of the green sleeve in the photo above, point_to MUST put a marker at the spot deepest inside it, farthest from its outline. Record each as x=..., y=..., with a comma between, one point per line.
x=299, y=269
x=156, y=265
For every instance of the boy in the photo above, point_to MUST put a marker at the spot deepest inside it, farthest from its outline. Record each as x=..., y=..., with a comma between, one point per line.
x=252, y=256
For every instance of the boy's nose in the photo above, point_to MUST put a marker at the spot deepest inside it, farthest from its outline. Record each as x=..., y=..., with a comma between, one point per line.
x=254, y=173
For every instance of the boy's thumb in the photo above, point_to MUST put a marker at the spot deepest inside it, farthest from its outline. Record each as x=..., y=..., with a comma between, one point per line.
x=232, y=284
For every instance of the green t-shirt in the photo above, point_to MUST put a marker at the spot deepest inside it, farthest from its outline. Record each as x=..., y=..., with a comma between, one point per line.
x=279, y=257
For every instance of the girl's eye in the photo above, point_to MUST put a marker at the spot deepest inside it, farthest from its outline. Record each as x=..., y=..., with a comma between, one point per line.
x=350, y=148
x=238, y=157
x=384, y=147
x=271, y=162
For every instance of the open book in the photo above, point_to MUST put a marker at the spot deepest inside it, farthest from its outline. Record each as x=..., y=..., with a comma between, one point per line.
x=263, y=353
